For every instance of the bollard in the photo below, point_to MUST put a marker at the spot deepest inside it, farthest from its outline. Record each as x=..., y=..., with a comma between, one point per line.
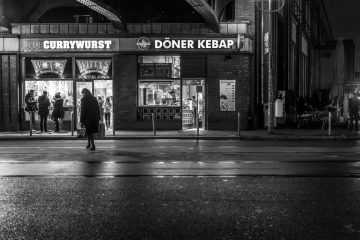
x=72, y=123
x=329, y=120
x=31, y=122
x=197, y=123
x=239, y=123
x=153, y=123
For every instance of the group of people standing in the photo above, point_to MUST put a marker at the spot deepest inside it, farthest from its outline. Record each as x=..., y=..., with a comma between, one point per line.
x=42, y=106
x=90, y=113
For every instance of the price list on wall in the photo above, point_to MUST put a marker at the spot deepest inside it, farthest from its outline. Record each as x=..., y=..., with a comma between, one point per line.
x=227, y=95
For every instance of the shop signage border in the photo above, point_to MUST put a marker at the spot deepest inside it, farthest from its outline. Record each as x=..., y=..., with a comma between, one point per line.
x=145, y=44
x=69, y=45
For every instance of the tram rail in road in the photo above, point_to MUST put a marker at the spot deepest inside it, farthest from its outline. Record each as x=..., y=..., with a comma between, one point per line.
x=179, y=168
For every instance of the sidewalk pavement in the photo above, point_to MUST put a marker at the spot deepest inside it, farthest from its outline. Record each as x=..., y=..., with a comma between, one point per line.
x=260, y=134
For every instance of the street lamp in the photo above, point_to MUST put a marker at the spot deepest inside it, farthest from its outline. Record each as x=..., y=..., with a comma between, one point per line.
x=269, y=7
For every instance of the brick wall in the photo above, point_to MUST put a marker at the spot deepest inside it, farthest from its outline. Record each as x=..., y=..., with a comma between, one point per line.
x=8, y=97
x=125, y=94
x=237, y=68
x=245, y=10
x=124, y=87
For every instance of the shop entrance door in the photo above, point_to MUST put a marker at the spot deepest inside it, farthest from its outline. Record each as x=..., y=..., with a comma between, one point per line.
x=79, y=86
x=103, y=89
x=193, y=97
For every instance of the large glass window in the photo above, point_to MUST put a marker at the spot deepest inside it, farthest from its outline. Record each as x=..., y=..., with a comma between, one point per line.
x=159, y=66
x=159, y=81
x=64, y=87
x=159, y=93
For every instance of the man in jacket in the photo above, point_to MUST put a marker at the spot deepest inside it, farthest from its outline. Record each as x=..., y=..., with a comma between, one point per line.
x=58, y=111
x=31, y=106
x=354, y=111
x=44, y=104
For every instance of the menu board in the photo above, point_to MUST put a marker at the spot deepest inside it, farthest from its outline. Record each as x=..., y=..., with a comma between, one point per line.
x=227, y=95
x=155, y=70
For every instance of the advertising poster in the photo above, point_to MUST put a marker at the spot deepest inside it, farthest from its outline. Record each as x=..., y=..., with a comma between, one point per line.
x=227, y=95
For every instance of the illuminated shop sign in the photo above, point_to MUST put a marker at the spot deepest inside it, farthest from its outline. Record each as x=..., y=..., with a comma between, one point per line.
x=48, y=67
x=168, y=43
x=48, y=45
x=93, y=68
x=239, y=44
x=65, y=44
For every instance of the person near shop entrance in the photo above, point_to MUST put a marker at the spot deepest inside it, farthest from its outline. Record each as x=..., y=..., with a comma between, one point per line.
x=107, y=110
x=31, y=104
x=101, y=103
x=58, y=111
x=89, y=116
x=44, y=104
x=354, y=104
x=193, y=107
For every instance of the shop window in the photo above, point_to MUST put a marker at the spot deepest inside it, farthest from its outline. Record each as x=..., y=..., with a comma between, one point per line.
x=157, y=84
x=52, y=87
x=159, y=93
x=159, y=67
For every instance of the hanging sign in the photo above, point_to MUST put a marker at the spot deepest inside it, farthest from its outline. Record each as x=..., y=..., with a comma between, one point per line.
x=93, y=68
x=48, y=67
x=227, y=95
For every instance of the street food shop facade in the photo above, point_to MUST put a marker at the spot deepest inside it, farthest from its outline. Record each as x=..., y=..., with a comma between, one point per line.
x=173, y=79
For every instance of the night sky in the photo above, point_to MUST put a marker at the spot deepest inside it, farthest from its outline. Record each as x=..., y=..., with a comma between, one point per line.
x=344, y=16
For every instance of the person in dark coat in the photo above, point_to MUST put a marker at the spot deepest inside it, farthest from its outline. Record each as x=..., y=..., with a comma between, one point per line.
x=354, y=111
x=89, y=116
x=58, y=111
x=31, y=104
x=43, y=112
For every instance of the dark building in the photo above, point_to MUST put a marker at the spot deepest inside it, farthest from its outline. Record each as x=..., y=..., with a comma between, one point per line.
x=174, y=60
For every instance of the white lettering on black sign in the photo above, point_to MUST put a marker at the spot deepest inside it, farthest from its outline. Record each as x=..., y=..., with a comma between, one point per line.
x=77, y=44
x=195, y=44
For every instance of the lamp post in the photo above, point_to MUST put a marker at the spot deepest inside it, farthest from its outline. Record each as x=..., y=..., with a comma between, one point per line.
x=268, y=7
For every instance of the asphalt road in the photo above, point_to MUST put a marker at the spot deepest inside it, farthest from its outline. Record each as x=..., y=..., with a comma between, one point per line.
x=180, y=189
x=180, y=158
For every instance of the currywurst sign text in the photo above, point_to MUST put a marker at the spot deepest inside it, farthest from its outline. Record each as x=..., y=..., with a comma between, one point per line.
x=29, y=45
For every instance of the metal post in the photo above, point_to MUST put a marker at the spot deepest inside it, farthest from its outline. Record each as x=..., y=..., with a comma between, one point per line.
x=197, y=113
x=329, y=120
x=239, y=123
x=72, y=123
x=31, y=122
x=270, y=90
x=197, y=122
x=153, y=123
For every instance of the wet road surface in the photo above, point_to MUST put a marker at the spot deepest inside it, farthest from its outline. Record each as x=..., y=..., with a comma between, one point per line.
x=180, y=189
x=180, y=158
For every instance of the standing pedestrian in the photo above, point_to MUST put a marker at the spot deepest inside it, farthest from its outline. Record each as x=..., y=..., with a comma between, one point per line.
x=193, y=107
x=107, y=110
x=44, y=104
x=101, y=103
x=58, y=111
x=31, y=105
x=89, y=116
x=354, y=111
